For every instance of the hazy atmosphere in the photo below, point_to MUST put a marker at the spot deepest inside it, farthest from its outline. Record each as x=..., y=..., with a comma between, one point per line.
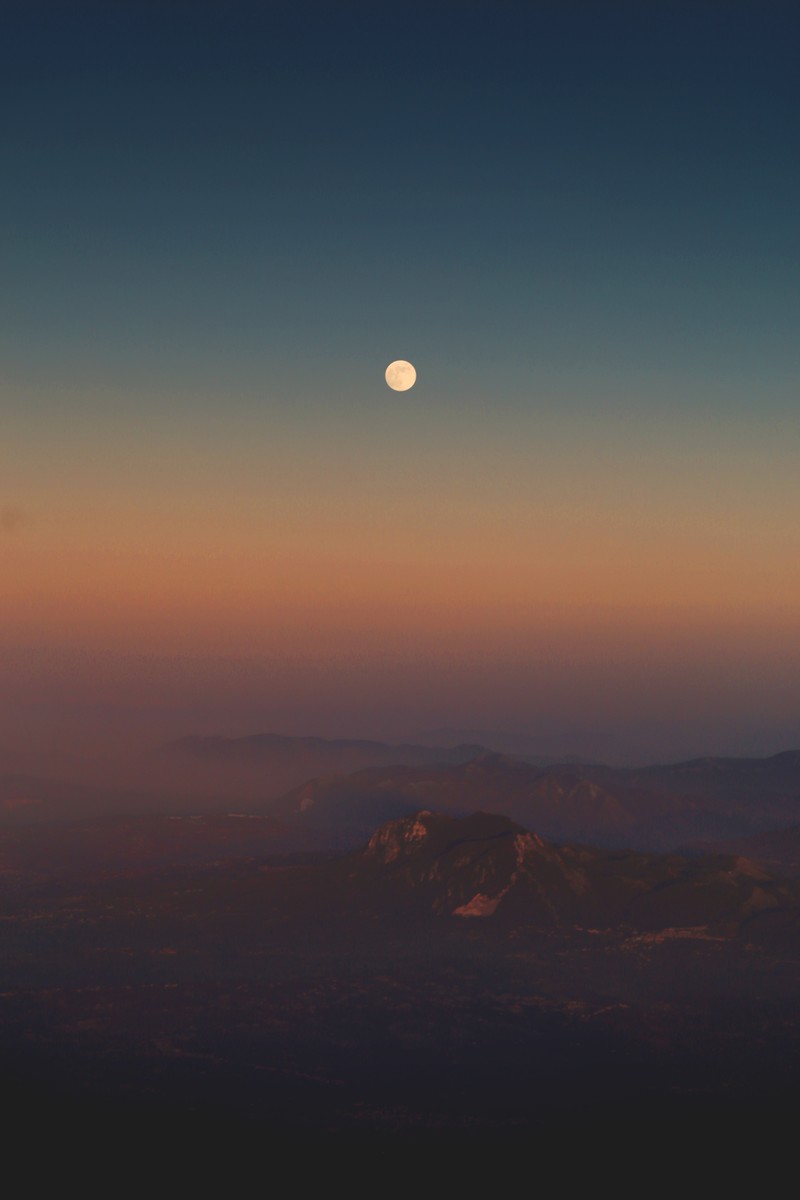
x=579, y=221
x=400, y=589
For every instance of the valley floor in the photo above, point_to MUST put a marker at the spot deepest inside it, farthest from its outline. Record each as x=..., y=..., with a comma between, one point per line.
x=226, y=998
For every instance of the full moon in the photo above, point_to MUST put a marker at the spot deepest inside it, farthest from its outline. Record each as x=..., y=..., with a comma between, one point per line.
x=400, y=375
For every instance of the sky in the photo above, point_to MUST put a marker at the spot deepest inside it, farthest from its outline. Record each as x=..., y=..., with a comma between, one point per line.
x=220, y=222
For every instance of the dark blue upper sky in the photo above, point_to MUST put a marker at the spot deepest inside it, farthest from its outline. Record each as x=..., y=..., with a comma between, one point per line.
x=546, y=181
x=219, y=223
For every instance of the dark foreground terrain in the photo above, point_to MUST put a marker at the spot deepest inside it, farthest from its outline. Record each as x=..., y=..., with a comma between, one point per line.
x=457, y=982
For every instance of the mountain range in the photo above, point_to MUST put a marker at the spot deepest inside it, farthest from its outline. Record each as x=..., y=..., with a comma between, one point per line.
x=452, y=977
x=650, y=808
x=485, y=866
x=265, y=765
x=316, y=801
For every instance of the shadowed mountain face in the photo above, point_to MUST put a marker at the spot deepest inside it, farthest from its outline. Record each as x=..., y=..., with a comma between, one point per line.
x=656, y=808
x=753, y=782
x=485, y=866
x=777, y=852
x=419, y=866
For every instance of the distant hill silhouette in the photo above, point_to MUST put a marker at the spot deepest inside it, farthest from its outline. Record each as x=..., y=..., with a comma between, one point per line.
x=656, y=808
x=266, y=765
x=332, y=794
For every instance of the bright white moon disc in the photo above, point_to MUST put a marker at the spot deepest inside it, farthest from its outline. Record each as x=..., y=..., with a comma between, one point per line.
x=400, y=375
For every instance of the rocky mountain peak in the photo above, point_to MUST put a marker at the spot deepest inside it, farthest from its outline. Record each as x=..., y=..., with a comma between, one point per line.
x=397, y=838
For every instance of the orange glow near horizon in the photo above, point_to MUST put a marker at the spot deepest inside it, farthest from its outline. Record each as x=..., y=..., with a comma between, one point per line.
x=128, y=596
x=510, y=572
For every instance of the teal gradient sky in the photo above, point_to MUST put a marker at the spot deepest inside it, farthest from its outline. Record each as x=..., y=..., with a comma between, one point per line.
x=579, y=221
